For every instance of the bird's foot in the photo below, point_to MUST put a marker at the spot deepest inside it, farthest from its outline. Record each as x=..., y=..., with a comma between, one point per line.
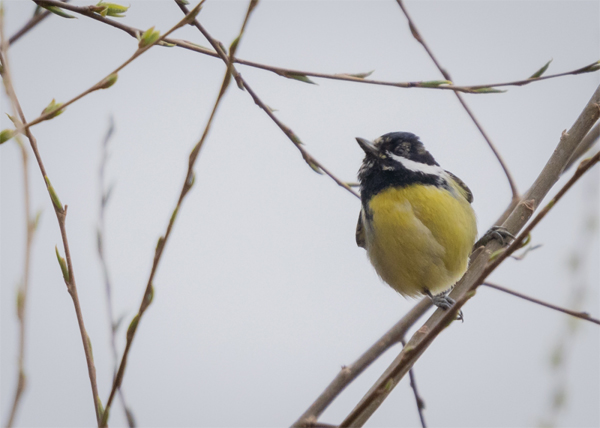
x=444, y=301
x=498, y=233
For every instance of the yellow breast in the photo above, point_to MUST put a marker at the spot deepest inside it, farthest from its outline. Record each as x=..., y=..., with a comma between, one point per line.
x=419, y=237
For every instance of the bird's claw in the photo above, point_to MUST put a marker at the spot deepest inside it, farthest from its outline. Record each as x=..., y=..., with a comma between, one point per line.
x=498, y=233
x=445, y=302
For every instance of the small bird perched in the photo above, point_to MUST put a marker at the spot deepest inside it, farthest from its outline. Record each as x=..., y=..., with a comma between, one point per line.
x=416, y=220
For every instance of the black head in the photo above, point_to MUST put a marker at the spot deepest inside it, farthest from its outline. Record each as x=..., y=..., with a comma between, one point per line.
x=396, y=159
x=402, y=144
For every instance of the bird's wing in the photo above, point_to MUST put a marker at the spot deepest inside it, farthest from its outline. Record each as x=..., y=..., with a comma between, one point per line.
x=463, y=187
x=360, y=232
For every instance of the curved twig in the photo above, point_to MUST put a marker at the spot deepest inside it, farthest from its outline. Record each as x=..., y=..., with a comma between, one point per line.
x=419, y=38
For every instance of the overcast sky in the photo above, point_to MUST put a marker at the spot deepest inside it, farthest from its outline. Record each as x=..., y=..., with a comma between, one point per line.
x=262, y=294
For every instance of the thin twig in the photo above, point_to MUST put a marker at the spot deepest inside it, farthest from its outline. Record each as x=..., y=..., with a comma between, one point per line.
x=23, y=289
x=479, y=267
x=104, y=82
x=418, y=399
x=584, y=166
x=61, y=214
x=290, y=73
x=419, y=38
x=149, y=292
x=582, y=315
x=35, y=20
x=101, y=232
x=308, y=158
x=351, y=372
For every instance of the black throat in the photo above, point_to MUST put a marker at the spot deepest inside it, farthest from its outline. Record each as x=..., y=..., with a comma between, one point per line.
x=374, y=180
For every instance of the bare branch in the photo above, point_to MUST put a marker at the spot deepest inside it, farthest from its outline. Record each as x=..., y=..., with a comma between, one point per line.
x=590, y=139
x=351, y=372
x=582, y=315
x=287, y=72
x=308, y=158
x=61, y=213
x=108, y=80
x=419, y=38
x=23, y=289
x=35, y=20
x=149, y=292
x=479, y=267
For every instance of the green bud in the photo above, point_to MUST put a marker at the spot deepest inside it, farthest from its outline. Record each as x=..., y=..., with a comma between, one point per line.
x=100, y=407
x=160, y=243
x=104, y=418
x=108, y=81
x=148, y=297
x=495, y=254
x=435, y=83
x=6, y=135
x=149, y=37
x=132, y=327
x=296, y=140
x=14, y=120
x=63, y=265
x=36, y=221
x=301, y=77
x=55, y=200
x=112, y=9
x=189, y=19
x=540, y=71
x=57, y=11
x=20, y=301
x=487, y=91
x=53, y=107
x=233, y=46
x=359, y=75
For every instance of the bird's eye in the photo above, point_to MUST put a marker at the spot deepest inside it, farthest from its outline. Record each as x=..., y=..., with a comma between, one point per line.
x=402, y=149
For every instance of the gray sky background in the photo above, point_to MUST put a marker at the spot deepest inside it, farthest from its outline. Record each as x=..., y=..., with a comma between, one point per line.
x=262, y=294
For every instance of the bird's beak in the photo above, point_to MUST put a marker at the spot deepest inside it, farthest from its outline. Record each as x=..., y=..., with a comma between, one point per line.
x=368, y=147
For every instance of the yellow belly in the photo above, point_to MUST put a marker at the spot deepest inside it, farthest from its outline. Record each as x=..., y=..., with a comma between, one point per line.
x=420, y=237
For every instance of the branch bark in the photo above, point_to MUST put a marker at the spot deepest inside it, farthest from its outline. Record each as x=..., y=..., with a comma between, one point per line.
x=479, y=268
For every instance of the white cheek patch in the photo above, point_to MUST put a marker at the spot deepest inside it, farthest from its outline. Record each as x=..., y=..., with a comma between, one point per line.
x=418, y=166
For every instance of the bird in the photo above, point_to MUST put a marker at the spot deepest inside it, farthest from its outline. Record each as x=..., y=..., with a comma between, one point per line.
x=416, y=220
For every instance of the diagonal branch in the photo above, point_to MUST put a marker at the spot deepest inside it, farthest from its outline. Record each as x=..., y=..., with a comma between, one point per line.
x=308, y=158
x=35, y=20
x=417, y=35
x=149, y=292
x=582, y=315
x=480, y=266
x=351, y=372
x=110, y=78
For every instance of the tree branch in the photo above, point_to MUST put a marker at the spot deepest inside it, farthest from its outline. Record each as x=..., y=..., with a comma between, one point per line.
x=35, y=20
x=288, y=72
x=149, y=292
x=23, y=288
x=351, y=372
x=479, y=267
x=61, y=213
x=582, y=315
x=419, y=38
x=308, y=158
